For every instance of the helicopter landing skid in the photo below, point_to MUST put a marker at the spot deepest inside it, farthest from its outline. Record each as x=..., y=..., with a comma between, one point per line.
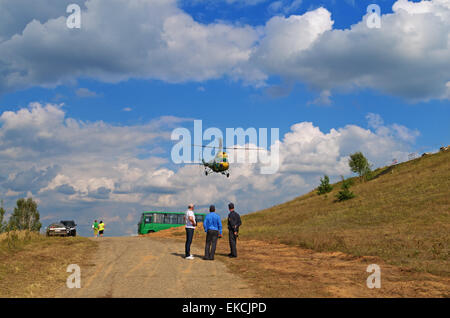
x=208, y=171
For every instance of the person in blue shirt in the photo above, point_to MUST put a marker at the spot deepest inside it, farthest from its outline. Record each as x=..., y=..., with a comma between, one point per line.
x=213, y=229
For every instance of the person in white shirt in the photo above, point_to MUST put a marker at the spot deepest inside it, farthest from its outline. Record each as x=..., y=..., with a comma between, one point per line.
x=189, y=218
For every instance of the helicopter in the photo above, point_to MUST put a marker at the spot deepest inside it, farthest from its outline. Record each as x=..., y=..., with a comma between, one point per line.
x=220, y=163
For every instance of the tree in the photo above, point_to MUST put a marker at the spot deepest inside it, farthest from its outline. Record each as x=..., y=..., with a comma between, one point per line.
x=324, y=186
x=25, y=216
x=360, y=165
x=2, y=215
x=345, y=193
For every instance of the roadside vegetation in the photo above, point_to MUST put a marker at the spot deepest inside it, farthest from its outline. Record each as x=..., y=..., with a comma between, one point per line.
x=25, y=217
x=402, y=214
x=31, y=264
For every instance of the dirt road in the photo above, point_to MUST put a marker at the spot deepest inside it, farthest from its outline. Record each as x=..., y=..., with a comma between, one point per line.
x=154, y=267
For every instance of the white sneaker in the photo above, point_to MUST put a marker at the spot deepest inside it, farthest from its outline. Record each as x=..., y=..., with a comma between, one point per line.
x=190, y=257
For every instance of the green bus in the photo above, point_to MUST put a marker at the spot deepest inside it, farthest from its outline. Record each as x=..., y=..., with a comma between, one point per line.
x=156, y=221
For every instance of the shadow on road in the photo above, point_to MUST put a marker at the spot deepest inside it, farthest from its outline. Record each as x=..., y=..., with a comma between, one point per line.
x=182, y=255
x=199, y=256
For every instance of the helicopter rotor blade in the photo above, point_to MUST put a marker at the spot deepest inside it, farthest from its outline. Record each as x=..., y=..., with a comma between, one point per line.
x=203, y=146
x=233, y=148
x=238, y=148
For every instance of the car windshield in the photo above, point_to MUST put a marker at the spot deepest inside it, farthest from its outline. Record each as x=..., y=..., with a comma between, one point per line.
x=56, y=225
x=68, y=223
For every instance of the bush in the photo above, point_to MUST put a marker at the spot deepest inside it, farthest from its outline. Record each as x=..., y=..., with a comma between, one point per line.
x=345, y=193
x=324, y=186
x=369, y=175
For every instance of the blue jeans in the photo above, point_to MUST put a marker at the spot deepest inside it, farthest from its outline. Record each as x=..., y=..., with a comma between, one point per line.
x=210, y=246
x=189, y=236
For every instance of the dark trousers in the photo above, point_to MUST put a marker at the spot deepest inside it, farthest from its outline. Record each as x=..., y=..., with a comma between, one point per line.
x=211, y=242
x=189, y=236
x=233, y=239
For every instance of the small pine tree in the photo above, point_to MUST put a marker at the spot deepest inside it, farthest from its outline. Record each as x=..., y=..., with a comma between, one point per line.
x=345, y=193
x=324, y=186
x=25, y=216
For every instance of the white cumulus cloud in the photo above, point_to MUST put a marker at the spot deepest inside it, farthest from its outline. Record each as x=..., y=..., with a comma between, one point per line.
x=155, y=39
x=93, y=168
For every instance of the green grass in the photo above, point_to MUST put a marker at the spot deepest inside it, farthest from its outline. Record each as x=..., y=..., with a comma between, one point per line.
x=402, y=215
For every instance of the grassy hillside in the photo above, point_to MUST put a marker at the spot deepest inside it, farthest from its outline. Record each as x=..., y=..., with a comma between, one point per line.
x=402, y=216
x=33, y=265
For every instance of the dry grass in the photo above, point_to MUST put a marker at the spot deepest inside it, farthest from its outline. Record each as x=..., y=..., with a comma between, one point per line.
x=401, y=216
x=32, y=265
x=279, y=270
x=313, y=246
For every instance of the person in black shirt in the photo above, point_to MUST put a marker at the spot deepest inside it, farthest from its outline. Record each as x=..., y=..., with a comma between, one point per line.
x=234, y=221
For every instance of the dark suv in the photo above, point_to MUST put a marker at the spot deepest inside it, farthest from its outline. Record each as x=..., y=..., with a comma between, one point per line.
x=71, y=227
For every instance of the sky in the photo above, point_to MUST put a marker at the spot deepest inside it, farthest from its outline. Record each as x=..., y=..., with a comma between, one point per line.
x=87, y=114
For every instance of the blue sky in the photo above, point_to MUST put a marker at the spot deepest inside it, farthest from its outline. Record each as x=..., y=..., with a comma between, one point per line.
x=225, y=104
x=226, y=63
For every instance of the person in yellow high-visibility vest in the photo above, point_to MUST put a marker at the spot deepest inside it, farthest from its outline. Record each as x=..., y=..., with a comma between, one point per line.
x=101, y=228
x=95, y=228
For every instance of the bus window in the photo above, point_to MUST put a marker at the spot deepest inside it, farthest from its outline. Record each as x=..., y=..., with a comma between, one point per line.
x=148, y=219
x=168, y=219
x=158, y=218
x=173, y=219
